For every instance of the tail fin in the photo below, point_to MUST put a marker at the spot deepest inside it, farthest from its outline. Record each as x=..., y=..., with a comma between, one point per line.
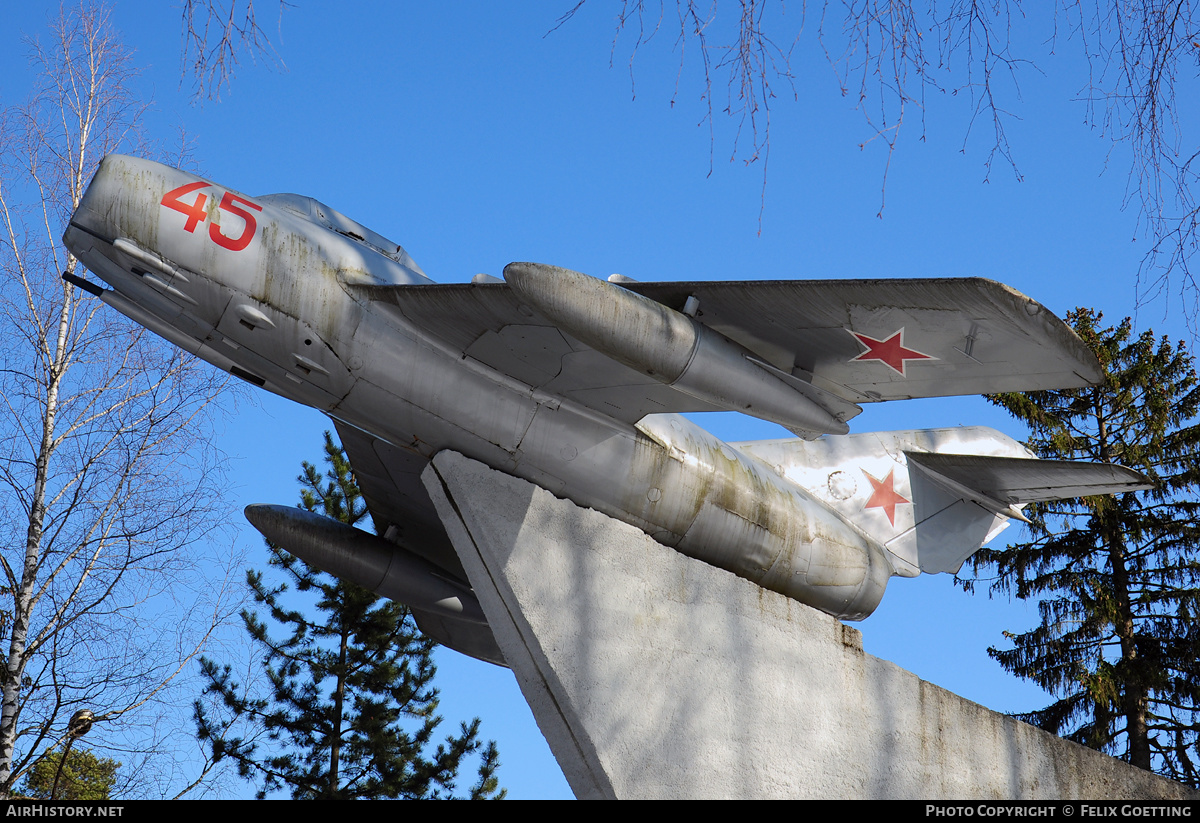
x=933, y=497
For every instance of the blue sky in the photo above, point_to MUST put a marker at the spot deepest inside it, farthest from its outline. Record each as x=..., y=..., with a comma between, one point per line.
x=474, y=135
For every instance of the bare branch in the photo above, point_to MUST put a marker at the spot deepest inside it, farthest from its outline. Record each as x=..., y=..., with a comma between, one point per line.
x=216, y=37
x=888, y=55
x=106, y=481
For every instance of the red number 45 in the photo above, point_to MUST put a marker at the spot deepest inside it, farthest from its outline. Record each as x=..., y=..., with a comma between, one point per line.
x=195, y=213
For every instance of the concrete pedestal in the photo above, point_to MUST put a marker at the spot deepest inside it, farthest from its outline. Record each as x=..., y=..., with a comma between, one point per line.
x=656, y=676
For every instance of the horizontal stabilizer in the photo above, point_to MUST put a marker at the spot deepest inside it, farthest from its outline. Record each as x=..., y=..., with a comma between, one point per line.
x=1014, y=481
x=933, y=497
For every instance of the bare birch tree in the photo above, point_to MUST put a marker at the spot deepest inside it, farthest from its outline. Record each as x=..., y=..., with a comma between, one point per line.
x=106, y=478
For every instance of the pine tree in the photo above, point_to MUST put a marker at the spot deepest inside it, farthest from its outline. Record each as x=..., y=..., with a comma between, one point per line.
x=352, y=709
x=83, y=777
x=1116, y=577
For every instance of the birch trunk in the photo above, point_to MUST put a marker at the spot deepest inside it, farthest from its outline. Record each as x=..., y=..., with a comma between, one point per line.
x=106, y=476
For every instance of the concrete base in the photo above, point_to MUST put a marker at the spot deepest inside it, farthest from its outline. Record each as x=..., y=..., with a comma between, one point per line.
x=656, y=676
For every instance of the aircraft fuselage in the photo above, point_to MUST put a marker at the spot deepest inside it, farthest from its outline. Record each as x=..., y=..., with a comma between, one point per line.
x=273, y=294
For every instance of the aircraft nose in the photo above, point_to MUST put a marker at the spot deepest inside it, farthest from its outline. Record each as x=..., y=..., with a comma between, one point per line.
x=123, y=199
x=144, y=228
x=97, y=212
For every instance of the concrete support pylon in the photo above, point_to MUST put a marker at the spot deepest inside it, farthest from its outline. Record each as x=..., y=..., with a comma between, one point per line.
x=653, y=675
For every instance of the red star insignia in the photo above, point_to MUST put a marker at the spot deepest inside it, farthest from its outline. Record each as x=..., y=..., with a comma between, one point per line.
x=890, y=352
x=884, y=496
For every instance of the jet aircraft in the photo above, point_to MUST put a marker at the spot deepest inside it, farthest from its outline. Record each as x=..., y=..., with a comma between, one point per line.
x=579, y=385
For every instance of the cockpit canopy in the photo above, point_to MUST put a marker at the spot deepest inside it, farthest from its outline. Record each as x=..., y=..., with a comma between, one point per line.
x=316, y=211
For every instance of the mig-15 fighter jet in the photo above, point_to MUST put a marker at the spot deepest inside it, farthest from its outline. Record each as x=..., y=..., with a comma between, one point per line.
x=579, y=385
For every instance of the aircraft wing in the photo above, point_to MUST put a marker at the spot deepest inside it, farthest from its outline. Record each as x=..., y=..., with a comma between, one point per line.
x=861, y=341
x=489, y=323
x=874, y=340
x=390, y=480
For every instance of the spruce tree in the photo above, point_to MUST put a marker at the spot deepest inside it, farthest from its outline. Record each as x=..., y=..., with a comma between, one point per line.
x=1116, y=578
x=350, y=709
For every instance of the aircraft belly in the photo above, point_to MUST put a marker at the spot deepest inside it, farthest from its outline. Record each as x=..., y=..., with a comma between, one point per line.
x=404, y=422
x=415, y=394
x=744, y=517
x=727, y=539
x=297, y=354
x=99, y=258
x=673, y=480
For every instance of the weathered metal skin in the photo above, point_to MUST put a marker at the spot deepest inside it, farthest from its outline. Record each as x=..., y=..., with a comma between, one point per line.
x=667, y=345
x=282, y=312
x=294, y=297
x=365, y=560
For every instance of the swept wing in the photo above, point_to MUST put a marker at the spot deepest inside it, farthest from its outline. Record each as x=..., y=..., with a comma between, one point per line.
x=841, y=343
